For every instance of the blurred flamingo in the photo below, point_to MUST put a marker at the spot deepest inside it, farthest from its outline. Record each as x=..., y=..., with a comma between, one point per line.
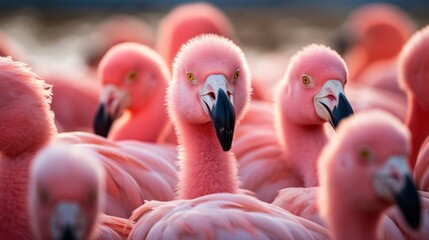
x=414, y=74
x=364, y=165
x=26, y=119
x=371, y=33
x=210, y=87
x=134, y=79
x=285, y=155
x=364, y=171
x=66, y=196
x=187, y=21
x=134, y=171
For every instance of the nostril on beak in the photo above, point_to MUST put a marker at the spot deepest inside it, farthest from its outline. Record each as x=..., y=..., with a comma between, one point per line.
x=212, y=95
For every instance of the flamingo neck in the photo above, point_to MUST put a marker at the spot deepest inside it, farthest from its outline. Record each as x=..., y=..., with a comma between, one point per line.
x=302, y=145
x=349, y=224
x=14, y=180
x=417, y=119
x=144, y=124
x=204, y=167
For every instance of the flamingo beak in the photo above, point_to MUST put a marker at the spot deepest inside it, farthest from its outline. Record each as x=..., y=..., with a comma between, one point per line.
x=68, y=222
x=112, y=104
x=331, y=104
x=217, y=100
x=394, y=183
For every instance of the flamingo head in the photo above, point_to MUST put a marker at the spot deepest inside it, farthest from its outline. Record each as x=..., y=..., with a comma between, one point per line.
x=131, y=74
x=187, y=21
x=66, y=188
x=414, y=67
x=380, y=29
x=366, y=167
x=211, y=84
x=312, y=91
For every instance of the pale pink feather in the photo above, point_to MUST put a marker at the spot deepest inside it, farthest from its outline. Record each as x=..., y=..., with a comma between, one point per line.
x=135, y=171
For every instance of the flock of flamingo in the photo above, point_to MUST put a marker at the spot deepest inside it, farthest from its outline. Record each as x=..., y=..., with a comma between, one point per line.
x=179, y=136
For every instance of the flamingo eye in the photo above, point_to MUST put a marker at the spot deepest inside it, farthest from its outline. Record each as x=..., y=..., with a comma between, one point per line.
x=306, y=80
x=365, y=155
x=190, y=76
x=236, y=75
x=132, y=77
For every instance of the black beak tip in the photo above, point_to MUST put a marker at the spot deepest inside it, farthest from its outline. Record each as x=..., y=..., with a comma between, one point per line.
x=408, y=201
x=223, y=119
x=68, y=234
x=102, y=122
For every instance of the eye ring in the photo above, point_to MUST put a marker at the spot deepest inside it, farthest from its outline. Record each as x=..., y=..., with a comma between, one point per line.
x=236, y=75
x=190, y=76
x=306, y=80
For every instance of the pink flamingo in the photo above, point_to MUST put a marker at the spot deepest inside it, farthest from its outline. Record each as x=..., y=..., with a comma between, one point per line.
x=134, y=79
x=377, y=33
x=413, y=65
x=66, y=196
x=363, y=171
x=374, y=32
x=369, y=156
x=134, y=171
x=210, y=87
x=26, y=119
x=313, y=83
x=178, y=26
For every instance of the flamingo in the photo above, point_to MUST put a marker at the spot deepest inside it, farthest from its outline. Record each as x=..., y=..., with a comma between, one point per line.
x=26, y=119
x=134, y=79
x=363, y=171
x=187, y=21
x=285, y=155
x=210, y=87
x=413, y=73
x=134, y=171
x=66, y=196
x=374, y=32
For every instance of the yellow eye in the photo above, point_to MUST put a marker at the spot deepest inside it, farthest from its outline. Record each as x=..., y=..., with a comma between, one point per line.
x=190, y=76
x=305, y=80
x=132, y=76
x=365, y=155
x=236, y=75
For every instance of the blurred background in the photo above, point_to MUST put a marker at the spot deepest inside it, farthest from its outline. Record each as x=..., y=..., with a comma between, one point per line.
x=64, y=33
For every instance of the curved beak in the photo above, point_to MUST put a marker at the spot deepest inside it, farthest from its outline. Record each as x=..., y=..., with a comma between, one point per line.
x=331, y=104
x=112, y=104
x=216, y=97
x=394, y=183
x=68, y=222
